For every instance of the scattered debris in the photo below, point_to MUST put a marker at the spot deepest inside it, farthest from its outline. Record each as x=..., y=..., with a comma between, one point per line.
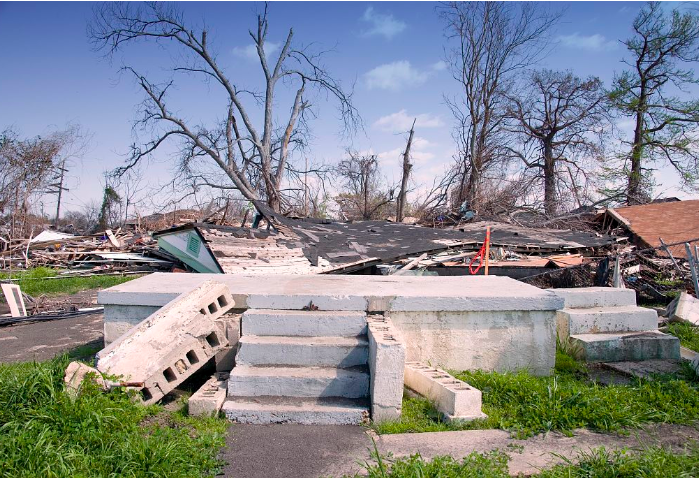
x=13, y=297
x=208, y=400
x=684, y=308
x=77, y=372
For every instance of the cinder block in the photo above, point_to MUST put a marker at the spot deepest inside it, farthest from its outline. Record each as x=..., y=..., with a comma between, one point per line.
x=225, y=359
x=168, y=346
x=208, y=400
x=456, y=400
x=386, y=365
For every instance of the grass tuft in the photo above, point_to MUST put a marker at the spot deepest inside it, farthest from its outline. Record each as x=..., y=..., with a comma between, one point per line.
x=44, y=433
x=687, y=333
x=476, y=465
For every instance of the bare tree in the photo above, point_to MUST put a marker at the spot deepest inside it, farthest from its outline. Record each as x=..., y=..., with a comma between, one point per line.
x=28, y=168
x=663, y=49
x=365, y=195
x=564, y=117
x=407, y=167
x=254, y=158
x=491, y=42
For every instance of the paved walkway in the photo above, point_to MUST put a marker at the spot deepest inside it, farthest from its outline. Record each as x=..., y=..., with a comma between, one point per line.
x=335, y=451
x=44, y=340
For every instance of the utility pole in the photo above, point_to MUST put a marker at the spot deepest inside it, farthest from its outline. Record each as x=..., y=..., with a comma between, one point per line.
x=59, y=189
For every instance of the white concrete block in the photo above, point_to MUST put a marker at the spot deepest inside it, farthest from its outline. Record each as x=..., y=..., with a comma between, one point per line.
x=695, y=363
x=492, y=341
x=225, y=359
x=208, y=400
x=303, y=351
x=304, y=323
x=457, y=400
x=251, y=381
x=170, y=345
x=589, y=297
x=386, y=366
x=575, y=321
x=684, y=308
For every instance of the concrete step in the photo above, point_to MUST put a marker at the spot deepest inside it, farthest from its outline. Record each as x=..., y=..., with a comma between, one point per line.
x=303, y=351
x=304, y=323
x=596, y=297
x=574, y=321
x=287, y=381
x=626, y=346
x=304, y=411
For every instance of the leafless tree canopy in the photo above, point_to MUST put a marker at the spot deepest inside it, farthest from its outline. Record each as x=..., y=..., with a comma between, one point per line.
x=253, y=159
x=662, y=51
x=364, y=194
x=490, y=42
x=560, y=120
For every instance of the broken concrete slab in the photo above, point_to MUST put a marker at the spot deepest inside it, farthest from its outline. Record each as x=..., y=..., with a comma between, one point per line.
x=208, y=400
x=386, y=367
x=170, y=345
x=14, y=299
x=75, y=375
x=456, y=400
x=684, y=308
x=225, y=359
x=646, y=368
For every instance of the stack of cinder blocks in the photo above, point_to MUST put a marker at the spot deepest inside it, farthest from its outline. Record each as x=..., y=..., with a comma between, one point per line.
x=167, y=347
x=386, y=365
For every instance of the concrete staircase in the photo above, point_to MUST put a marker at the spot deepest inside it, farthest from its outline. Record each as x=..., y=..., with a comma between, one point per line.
x=605, y=325
x=297, y=366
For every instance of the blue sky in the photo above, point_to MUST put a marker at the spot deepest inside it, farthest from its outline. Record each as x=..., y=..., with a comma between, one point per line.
x=392, y=51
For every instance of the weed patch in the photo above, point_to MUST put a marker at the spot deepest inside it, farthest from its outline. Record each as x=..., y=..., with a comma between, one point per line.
x=687, y=333
x=36, y=282
x=43, y=433
x=476, y=465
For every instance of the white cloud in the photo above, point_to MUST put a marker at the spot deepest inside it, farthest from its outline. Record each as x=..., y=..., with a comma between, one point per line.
x=250, y=51
x=401, y=121
x=383, y=24
x=395, y=76
x=439, y=66
x=418, y=154
x=594, y=42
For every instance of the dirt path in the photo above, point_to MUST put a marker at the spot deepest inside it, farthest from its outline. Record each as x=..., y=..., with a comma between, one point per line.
x=530, y=455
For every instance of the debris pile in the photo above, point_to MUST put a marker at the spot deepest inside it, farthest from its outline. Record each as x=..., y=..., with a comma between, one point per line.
x=101, y=253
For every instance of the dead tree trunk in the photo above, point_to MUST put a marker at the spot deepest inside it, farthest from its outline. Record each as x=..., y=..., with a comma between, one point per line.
x=406, y=175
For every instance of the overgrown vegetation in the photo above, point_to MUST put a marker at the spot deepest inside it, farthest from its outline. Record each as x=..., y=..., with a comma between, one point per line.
x=651, y=462
x=43, y=433
x=527, y=405
x=687, y=333
x=36, y=281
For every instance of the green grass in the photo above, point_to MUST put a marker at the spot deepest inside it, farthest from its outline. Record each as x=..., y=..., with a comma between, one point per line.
x=43, y=433
x=35, y=282
x=687, y=333
x=527, y=405
x=651, y=462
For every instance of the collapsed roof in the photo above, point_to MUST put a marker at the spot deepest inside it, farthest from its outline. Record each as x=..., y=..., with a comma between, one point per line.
x=304, y=246
x=674, y=222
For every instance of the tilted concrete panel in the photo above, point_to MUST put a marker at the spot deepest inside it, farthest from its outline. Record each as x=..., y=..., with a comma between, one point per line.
x=171, y=344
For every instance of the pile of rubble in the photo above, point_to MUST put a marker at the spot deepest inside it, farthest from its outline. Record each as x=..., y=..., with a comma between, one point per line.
x=100, y=253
